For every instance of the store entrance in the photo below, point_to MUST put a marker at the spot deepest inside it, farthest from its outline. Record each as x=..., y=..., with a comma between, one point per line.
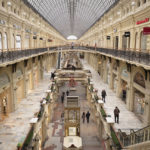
x=116, y=42
x=139, y=104
x=114, y=82
x=123, y=93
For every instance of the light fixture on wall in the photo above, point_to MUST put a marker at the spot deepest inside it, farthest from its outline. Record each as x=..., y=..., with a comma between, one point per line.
x=118, y=13
x=9, y=3
x=133, y=3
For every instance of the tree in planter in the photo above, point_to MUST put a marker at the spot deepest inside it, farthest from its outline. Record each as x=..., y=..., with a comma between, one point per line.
x=96, y=98
x=19, y=145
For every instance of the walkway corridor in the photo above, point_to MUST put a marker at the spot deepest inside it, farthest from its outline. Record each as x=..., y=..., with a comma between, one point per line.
x=126, y=117
x=16, y=126
x=89, y=132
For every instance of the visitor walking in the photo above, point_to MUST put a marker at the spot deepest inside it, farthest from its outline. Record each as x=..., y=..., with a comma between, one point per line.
x=116, y=115
x=83, y=117
x=103, y=95
x=62, y=98
x=67, y=93
x=87, y=116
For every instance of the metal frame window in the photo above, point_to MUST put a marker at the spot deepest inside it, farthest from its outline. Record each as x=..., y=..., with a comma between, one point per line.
x=71, y=17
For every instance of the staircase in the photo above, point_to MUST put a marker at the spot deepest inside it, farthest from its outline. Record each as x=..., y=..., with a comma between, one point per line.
x=135, y=137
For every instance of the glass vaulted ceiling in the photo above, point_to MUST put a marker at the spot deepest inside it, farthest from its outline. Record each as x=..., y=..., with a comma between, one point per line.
x=71, y=17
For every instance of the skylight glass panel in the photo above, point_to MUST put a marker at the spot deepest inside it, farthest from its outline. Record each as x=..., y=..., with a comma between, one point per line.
x=71, y=17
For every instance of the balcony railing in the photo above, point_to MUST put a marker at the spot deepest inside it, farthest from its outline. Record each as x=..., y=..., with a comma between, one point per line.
x=6, y=56
x=137, y=137
x=142, y=57
x=138, y=56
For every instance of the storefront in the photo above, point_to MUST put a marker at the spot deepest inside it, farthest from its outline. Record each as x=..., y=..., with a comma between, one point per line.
x=124, y=83
x=36, y=76
x=139, y=104
x=139, y=95
x=116, y=42
x=144, y=34
x=18, y=42
x=145, y=39
x=126, y=41
x=5, y=96
x=114, y=77
x=108, y=73
x=19, y=85
x=27, y=41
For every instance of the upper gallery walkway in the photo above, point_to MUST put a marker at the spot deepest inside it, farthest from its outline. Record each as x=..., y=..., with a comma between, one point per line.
x=127, y=119
x=131, y=56
x=17, y=125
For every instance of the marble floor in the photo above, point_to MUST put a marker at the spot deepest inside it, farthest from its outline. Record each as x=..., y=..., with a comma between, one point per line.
x=16, y=126
x=127, y=119
x=89, y=131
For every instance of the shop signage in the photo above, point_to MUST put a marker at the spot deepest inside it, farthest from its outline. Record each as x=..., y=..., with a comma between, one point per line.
x=49, y=40
x=146, y=30
x=124, y=73
x=142, y=21
x=2, y=22
x=127, y=34
x=35, y=37
x=16, y=26
x=108, y=37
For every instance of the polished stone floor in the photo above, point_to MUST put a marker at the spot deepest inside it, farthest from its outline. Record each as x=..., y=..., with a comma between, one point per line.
x=16, y=125
x=128, y=120
x=89, y=131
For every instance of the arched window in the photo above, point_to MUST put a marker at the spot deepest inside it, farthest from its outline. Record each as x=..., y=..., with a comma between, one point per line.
x=143, y=41
x=0, y=41
x=3, y=4
x=138, y=4
x=18, y=41
x=5, y=41
x=13, y=42
x=139, y=79
x=136, y=36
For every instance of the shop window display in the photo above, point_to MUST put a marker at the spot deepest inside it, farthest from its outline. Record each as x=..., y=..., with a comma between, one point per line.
x=0, y=41
x=139, y=79
x=139, y=104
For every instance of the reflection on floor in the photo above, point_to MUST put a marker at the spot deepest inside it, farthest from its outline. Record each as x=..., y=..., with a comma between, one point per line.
x=17, y=125
x=89, y=132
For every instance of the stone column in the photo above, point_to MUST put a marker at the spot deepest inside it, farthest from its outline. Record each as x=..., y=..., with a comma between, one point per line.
x=120, y=40
x=118, y=81
x=147, y=103
x=132, y=39
x=111, y=76
x=104, y=70
x=130, y=91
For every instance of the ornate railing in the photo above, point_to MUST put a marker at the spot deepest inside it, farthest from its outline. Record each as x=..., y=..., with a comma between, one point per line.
x=137, y=137
x=6, y=56
x=142, y=57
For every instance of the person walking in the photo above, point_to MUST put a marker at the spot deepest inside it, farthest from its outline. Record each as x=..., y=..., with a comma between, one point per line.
x=67, y=93
x=103, y=95
x=83, y=117
x=62, y=98
x=116, y=115
x=87, y=116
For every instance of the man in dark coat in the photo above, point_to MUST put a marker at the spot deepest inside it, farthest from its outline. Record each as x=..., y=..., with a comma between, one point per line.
x=67, y=92
x=103, y=95
x=62, y=98
x=87, y=116
x=116, y=115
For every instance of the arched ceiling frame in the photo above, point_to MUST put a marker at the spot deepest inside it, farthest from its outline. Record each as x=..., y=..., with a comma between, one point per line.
x=71, y=17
